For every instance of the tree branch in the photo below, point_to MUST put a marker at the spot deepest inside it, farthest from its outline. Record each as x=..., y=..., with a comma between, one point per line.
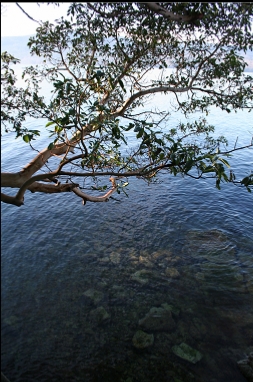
x=103, y=198
x=51, y=188
x=203, y=62
x=156, y=8
x=11, y=200
x=103, y=14
x=30, y=17
x=142, y=93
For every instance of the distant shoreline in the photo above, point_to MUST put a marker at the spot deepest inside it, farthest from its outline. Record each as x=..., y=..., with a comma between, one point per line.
x=17, y=46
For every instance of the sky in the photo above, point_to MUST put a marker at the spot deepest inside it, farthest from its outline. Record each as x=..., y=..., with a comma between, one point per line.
x=15, y=23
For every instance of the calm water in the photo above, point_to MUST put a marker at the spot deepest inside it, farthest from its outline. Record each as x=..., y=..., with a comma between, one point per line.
x=77, y=280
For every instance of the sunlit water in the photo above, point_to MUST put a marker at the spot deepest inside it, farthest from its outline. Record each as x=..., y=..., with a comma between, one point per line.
x=63, y=262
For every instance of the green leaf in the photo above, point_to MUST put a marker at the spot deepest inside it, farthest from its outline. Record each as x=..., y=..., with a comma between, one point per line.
x=68, y=88
x=209, y=169
x=99, y=73
x=111, y=82
x=140, y=133
x=188, y=165
x=247, y=181
x=50, y=123
x=26, y=138
x=122, y=85
x=72, y=111
x=50, y=146
x=224, y=161
x=130, y=126
x=35, y=132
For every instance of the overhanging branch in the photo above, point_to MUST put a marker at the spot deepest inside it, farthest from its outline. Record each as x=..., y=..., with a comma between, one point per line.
x=156, y=8
x=159, y=89
x=11, y=200
x=95, y=199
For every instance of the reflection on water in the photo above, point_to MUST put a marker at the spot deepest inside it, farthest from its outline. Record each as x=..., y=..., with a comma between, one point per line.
x=78, y=283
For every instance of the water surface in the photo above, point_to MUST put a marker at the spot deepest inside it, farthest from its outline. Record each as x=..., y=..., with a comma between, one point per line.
x=77, y=280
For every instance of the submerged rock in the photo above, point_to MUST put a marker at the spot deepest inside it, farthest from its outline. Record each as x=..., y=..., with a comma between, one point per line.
x=171, y=308
x=200, y=276
x=249, y=286
x=172, y=272
x=11, y=320
x=227, y=277
x=212, y=235
x=99, y=315
x=158, y=319
x=94, y=295
x=187, y=352
x=105, y=259
x=246, y=367
x=115, y=257
x=119, y=292
x=142, y=340
x=212, y=245
x=141, y=276
x=161, y=254
x=146, y=262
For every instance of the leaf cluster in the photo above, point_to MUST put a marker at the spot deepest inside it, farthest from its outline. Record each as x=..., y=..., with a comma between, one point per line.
x=100, y=61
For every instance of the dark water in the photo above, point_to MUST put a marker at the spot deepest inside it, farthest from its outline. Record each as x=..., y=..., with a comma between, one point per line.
x=76, y=281
x=54, y=252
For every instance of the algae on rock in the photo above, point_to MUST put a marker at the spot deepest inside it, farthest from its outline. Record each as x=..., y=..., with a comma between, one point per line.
x=142, y=340
x=187, y=352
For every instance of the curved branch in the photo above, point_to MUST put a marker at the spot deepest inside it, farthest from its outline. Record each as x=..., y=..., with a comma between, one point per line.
x=95, y=199
x=30, y=17
x=203, y=62
x=16, y=180
x=156, y=8
x=24, y=187
x=51, y=175
x=39, y=161
x=11, y=200
x=67, y=67
x=142, y=93
x=103, y=14
x=39, y=187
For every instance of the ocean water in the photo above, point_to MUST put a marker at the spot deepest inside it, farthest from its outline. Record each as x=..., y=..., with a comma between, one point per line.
x=77, y=281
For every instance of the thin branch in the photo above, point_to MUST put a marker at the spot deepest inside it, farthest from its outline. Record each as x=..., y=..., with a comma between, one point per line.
x=141, y=172
x=30, y=17
x=156, y=8
x=235, y=149
x=103, y=198
x=203, y=62
x=113, y=14
x=90, y=61
x=142, y=93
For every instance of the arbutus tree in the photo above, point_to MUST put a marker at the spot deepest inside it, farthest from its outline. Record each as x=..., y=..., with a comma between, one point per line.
x=100, y=61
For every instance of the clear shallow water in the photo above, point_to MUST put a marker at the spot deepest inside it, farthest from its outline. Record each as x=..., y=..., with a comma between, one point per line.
x=181, y=243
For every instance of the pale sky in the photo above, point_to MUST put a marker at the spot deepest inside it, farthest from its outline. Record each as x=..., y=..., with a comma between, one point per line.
x=15, y=23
